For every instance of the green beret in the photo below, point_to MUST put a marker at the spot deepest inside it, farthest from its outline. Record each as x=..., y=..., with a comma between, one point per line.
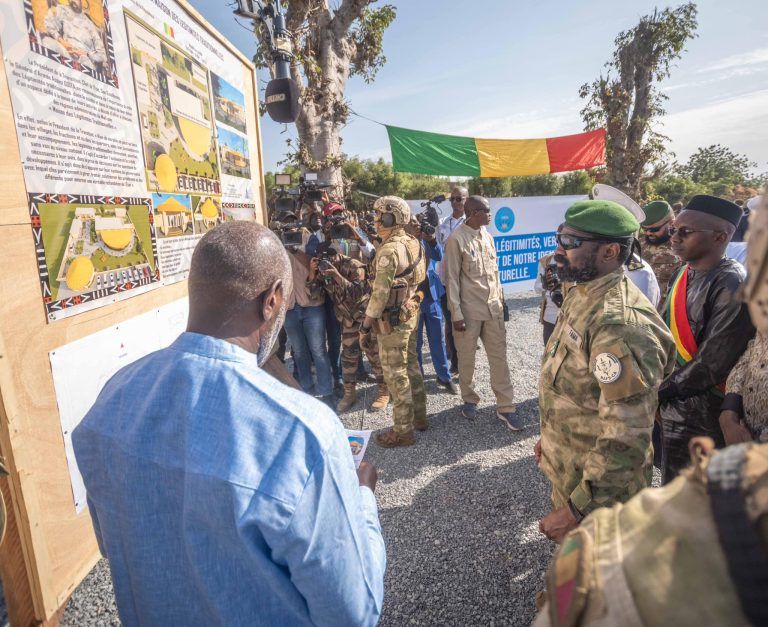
x=656, y=211
x=601, y=217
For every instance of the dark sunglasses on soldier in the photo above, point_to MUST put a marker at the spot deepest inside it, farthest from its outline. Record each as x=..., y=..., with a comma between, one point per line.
x=457, y=198
x=654, y=229
x=684, y=231
x=569, y=242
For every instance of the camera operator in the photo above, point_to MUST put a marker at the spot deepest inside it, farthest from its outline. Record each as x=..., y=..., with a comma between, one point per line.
x=343, y=227
x=317, y=232
x=551, y=290
x=430, y=308
x=306, y=318
x=345, y=282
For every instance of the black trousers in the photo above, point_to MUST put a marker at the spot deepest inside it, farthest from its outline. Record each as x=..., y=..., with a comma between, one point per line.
x=450, y=346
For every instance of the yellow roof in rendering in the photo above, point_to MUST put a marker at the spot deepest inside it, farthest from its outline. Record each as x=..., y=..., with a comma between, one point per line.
x=209, y=209
x=117, y=239
x=172, y=206
x=197, y=136
x=80, y=273
x=165, y=171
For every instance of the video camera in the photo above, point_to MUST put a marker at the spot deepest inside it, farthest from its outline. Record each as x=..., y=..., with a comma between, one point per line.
x=289, y=232
x=429, y=219
x=339, y=227
x=285, y=201
x=552, y=285
x=310, y=189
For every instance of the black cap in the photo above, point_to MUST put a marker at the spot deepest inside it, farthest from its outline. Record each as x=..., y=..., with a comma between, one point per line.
x=718, y=207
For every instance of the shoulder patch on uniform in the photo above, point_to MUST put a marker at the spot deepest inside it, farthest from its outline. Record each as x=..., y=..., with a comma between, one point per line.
x=383, y=262
x=568, y=578
x=607, y=368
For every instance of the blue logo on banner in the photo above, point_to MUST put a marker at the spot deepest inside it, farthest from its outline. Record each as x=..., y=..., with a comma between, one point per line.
x=505, y=219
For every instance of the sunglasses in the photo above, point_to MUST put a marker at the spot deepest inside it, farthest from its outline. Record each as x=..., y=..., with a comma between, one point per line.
x=457, y=198
x=654, y=229
x=570, y=242
x=684, y=231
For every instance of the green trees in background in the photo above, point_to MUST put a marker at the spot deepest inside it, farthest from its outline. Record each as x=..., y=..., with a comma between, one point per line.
x=713, y=170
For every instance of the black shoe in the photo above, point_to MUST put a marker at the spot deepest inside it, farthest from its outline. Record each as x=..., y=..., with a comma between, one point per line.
x=450, y=386
x=329, y=400
x=364, y=377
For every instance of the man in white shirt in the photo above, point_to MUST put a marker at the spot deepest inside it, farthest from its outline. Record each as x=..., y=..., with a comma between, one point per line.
x=476, y=302
x=447, y=226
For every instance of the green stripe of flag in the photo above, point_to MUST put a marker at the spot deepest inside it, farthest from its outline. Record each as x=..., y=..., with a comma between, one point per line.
x=432, y=153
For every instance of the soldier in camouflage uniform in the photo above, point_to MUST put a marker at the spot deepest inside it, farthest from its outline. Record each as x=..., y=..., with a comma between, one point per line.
x=691, y=553
x=656, y=246
x=346, y=284
x=398, y=271
x=600, y=373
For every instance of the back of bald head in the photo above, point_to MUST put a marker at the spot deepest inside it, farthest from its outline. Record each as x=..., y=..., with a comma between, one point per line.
x=235, y=263
x=475, y=203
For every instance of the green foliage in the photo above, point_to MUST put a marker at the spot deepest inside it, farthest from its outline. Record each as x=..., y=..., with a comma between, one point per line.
x=626, y=100
x=368, y=35
x=376, y=176
x=673, y=189
x=717, y=163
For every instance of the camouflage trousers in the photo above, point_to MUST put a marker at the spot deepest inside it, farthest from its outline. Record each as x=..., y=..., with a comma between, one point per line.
x=400, y=365
x=350, y=353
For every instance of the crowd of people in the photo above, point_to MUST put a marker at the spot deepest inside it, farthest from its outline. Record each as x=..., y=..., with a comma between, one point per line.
x=226, y=493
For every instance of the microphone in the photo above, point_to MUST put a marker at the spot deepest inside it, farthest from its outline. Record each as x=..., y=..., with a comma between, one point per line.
x=282, y=99
x=282, y=94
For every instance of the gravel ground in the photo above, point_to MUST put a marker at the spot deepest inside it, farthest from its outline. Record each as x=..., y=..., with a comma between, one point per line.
x=459, y=510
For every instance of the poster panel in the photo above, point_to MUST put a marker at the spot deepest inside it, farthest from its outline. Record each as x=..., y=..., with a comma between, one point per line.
x=523, y=229
x=132, y=129
x=82, y=368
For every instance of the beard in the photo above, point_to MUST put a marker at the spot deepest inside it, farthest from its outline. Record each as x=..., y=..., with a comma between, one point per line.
x=267, y=341
x=568, y=273
x=655, y=241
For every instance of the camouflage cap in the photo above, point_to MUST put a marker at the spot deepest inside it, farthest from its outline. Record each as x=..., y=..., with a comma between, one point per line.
x=656, y=211
x=396, y=206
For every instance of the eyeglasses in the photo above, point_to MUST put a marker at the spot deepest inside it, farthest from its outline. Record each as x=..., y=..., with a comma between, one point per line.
x=457, y=198
x=654, y=229
x=684, y=231
x=569, y=242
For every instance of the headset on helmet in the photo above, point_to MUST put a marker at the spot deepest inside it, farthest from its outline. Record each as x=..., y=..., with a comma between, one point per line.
x=388, y=220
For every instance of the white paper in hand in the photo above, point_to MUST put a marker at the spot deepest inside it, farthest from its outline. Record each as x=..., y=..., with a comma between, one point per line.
x=358, y=442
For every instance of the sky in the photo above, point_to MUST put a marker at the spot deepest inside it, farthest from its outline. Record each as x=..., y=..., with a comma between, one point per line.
x=510, y=69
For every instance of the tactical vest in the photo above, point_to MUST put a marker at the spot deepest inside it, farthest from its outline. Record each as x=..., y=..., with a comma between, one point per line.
x=404, y=296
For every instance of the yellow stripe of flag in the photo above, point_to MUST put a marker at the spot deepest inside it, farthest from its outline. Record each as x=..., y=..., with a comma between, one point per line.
x=512, y=157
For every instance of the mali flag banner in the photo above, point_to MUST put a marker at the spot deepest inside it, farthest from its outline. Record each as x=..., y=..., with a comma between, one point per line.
x=421, y=152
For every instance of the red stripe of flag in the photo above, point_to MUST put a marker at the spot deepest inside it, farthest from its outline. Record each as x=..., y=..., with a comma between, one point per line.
x=576, y=152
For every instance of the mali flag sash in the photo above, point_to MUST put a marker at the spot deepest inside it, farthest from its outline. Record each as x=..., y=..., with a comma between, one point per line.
x=676, y=317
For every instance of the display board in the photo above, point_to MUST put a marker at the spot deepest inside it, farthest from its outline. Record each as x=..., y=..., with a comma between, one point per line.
x=134, y=135
x=523, y=230
x=128, y=129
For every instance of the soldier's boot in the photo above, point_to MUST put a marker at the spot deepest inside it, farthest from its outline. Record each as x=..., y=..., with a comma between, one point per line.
x=391, y=439
x=349, y=398
x=382, y=398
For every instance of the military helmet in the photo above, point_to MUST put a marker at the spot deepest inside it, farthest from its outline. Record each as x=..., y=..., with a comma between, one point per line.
x=393, y=210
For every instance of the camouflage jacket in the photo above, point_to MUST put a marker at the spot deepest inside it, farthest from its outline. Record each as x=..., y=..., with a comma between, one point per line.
x=600, y=373
x=664, y=263
x=392, y=258
x=350, y=297
x=658, y=559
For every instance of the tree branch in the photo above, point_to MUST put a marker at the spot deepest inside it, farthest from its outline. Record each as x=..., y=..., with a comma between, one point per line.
x=346, y=14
